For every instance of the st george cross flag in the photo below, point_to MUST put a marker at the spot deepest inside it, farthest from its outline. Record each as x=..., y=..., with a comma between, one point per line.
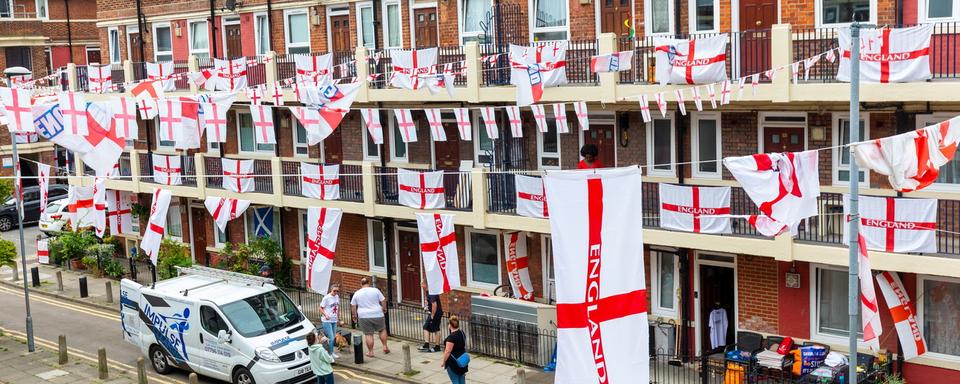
x=231, y=74
x=334, y=103
x=372, y=118
x=125, y=117
x=896, y=224
x=531, y=197
x=17, y=106
x=904, y=315
x=463, y=123
x=489, y=117
x=215, y=118
x=99, y=78
x=869, y=310
x=88, y=206
x=43, y=183
x=223, y=209
x=320, y=181
x=255, y=95
x=888, y=55
x=162, y=73
x=612, y=62
x=435, y=122
x=43, y=251
x=146, y=93
x=156, y=224
x=421, y=190
x=262, y=116
x=191, y=124
x=560, y=117
x=237, y=175
x=412, y=67
x=518, y=270
x=513, y=117
x=119, y=215
x=323, y=228
x=695, y=209
x=693, y=61
x=406, y=126
x=535, y=68
x=785, y=186
x=171, y=119
x=911, y=160
x=167, y=169
x=313, y=70
x=540, y=117
x=205, y=79
x=438, y=246
x=596, y=228
x=73, y=105
x=583, y=117
x=104, y=147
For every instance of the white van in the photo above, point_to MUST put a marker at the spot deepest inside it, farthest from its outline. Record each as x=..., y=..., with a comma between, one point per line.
x=224, y=325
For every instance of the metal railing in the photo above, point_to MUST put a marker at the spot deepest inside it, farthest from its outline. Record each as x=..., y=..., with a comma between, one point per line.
x=748, y=52
x=457, y=187
x=124, y=166
x=455, y=57
x=343, y=65
x=382, y=67
x=83, y=83
x=256, y=71
x=213, y=169
x=179, y=67
x=263, y=179
x=578, y=70
x=188, y=176
x=118, y=76
x=351, y=181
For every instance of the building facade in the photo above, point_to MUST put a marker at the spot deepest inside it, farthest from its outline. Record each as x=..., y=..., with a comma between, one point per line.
x=782, y=286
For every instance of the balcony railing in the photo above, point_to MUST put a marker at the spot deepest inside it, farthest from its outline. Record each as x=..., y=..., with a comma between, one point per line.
x=454, y=56
x=456, y=188
x=179, y=66
x=262, y=181
x=187, y=163
x=344, y=66
x=213, y=169
x=126, y=171
x=351, y=181
x=83, y=83
x=579, y=53
x=748, y=52
x=117, y=75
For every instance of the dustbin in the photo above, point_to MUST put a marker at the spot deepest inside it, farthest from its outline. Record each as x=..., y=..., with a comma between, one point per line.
x=357, y=348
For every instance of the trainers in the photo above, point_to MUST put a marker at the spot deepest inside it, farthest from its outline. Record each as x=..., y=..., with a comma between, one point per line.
x=436, y=348
x=424, y=348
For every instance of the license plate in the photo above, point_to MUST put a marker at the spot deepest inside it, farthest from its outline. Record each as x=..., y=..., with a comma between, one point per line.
x=302, y=370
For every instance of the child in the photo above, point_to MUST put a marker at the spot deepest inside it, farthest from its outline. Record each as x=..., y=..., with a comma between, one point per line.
x=320, y=360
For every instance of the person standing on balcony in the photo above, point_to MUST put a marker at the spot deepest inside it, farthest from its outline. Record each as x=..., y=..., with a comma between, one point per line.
x=329, y=314
x=431, y=327
x=368, y=306
x=589, y=153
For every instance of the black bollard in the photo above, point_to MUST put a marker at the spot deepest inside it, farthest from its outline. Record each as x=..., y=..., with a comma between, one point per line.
x=83, y=286
x=35, y=275
x=358, y=349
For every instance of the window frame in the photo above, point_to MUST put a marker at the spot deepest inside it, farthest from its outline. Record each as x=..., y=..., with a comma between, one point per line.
x=836, y=167
x=394, y=138
x=114, y=46
x=818, y=15
x=157, y=52
x=534, y=30
x=195, y=51
x=468, y=234
x=923, y=12
x=297, y=144
x=692, y=19
x=461, y=22
x=286, y=30
x=479, y=128
x=371, y=257
x=332, y=12
x=256, y=147
x=648, y=15
x=919, y=306
x=655, y=256
x=46, y=8
x=174, y=210
x=924, y=120
x=367, y=142
x=549, y=284
x=695, y=118
x=651, y=170
x=160, y=144
x=216, y=237
x=386, y=23
x=258, y=32
x=541, y=154
x=815, y=333
x=359, y=9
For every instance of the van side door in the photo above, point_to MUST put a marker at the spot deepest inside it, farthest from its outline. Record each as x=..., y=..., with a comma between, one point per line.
x=130, y=311
x=217, y=358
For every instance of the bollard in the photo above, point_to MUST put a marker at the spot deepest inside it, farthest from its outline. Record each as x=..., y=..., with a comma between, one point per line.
x=357, y=348
x=102, y=363
x=141, y=371
x=35, y=276
x=109, y=290
x=59, y=281
x=83, y=286
x=16, y=275
x=407, y=367
x=193, y=378
x=62, y=349
x=521, y=376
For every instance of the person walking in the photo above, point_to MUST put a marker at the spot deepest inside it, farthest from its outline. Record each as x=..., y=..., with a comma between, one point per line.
x=455, y=346
x=320, y=361
x=329, y=316
x=368, y=306
x=431, y=327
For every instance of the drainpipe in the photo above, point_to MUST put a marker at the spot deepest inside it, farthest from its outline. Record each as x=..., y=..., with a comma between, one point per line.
x=388, y=224
x=142, y=27
x=676, y=16
x=270, y=24
x=66, y=5
x=213, y=28
x=899, y=12
x=680, y=130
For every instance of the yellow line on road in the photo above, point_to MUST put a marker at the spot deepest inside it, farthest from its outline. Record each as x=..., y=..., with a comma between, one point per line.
x=65, y=305
x=363, y=379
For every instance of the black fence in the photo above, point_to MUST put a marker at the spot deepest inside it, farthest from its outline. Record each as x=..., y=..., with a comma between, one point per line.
x=457, y=188
x=351, y=181
x=578, y=69
x=455, y=57
x=188, y=168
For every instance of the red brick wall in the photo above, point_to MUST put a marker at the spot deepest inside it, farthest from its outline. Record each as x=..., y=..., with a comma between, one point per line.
x=582, y=20
x=248, y=34
x=801, y=13
x=757, y=302
x=181, y=44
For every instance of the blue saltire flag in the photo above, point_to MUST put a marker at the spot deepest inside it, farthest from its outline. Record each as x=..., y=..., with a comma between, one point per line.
x=263, y=222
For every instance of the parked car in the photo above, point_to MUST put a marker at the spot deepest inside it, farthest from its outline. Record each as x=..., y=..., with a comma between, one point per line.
x=31, y=206
x=54, y=217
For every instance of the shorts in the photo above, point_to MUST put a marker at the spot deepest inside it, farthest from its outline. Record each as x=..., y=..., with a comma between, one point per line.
x=372, y=325
x=433, y=325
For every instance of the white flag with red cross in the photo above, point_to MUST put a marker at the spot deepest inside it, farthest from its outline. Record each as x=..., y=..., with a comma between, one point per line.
x=156, y=224
x=513, y=117
x=518, y=269
x=694, y=208
x=205, y=79
x=612, y=62
x=899, y=225
x=99, y=78
x=869, y=310
x=411, y=68
x=73, y=106
x=231, y=74
x=125, y=117
x=438, y=246
x=237, y=175
x=421, y=190
x=18, y=108
x=320, y=181
x=163, y=74
x=167, y=169
x=537, y=67
x=323, y=228
x=888, y=55
x=531, y=197
x=276, y=95
x=912, y=160
x=406, y=125
x=103, y=146
x=87, y=207
x=596, y=228
x=43, y=183
x=691, y=61
x=435, y=123
x=785, y=186
x=262, y=116
x=560, y=117
x=489, y=117
x=255, y=95
x=224, y=209
x=314, y=69
x=372, y=118
x=583, y=117
x=43, y=251
x=191, y=123
x=540, y=117
x=119, y=215
x=215, y=118
x=146, y=93
x=464, y=126
x=904, y=316
x=171, y=119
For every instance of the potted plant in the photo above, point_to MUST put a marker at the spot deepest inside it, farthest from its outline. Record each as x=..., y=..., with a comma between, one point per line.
x=72, y=247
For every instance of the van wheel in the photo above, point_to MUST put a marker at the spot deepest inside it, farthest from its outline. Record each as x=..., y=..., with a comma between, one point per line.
x=159, y=360
x=243, y=376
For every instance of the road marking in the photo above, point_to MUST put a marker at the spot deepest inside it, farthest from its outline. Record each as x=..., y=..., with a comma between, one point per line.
x=363, y=379
x=65, y=305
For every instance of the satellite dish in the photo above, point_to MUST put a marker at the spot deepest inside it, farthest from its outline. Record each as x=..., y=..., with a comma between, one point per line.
x=231, y=5
x=16, y=71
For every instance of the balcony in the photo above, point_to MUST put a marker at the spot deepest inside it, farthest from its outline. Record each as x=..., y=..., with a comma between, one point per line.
x=262, y=182
x=351, y=181
x=454, y=56
x=187, y=163
x=457, y=188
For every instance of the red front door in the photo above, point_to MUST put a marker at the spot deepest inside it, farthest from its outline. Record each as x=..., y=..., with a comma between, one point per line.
x=234, y=45
x=782, y=139
x=409, y=268
x=613, y=13
x=448, y=152
x=756, y=18
x=604, y=138
x=340, y=33
x=425, y=24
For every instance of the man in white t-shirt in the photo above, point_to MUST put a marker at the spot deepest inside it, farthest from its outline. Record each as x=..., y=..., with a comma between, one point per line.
x=329, y=314
x=368, y=306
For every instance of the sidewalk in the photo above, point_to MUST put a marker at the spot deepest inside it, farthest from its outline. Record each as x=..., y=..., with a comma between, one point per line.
x=17, y=366
x=426, y=366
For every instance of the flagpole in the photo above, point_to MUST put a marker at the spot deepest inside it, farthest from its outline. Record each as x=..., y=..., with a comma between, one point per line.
x=23, y=252
x=854, y=219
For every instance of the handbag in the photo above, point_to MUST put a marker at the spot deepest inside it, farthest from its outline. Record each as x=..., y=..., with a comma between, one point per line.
x=464, y=360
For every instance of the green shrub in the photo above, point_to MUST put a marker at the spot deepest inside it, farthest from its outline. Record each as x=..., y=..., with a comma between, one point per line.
x=172, y=254
x=6, y=189
x=90, y=262
x=113, y=269
x=8, y=254
x=248, y=258
x=71, y=245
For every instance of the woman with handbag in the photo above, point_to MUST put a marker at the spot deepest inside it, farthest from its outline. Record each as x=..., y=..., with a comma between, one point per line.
x=455, y=356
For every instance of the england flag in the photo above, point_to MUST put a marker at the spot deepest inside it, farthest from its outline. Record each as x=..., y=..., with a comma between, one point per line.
x=531, y=197
x=421, y=190
x=323, y=228
x=518, y=269
x=691, y=61
x=438, y=246
x=320, y=181
x=119, y=215
x=898, y=225
x=237, y=175
x=411, y=68
x=224, y=209
x=694, y=208
x=156, y=224
x=888, y=55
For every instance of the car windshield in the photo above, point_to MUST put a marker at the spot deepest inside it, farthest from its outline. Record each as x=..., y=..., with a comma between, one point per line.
x=262, y=314
x=10, y=201
x=53, y=207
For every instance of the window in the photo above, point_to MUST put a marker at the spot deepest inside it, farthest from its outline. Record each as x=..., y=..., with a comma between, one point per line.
x=483, y=145
x=167, y=145
x=247, y=135
x=660, y=14
x=661, y=150
x=42, y=9
x=841, y=156
x=297, y=32
x=273, y=223
x=548, y=276
x=174, y=224
x=199, y=39
x=939, y=312
x=705, y=17
x=934, y=10
x=371, y=151
x=301, y=148
x=114, y=45
x=376, y=246
x=472, y=13
x=219, y=237
x=483, y=259
x=706, y=145
x=211, y=321
x=162, y=47
x=549, y=20
x=665, y=270
x=392, y=28
x=18, y=56
x=548, y=145
x=846, y=11
x=831, y=298
x=262, y=31
x=398, y=149
x=365, y=16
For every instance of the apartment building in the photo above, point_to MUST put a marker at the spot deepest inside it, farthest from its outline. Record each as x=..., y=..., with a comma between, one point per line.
x=783, y=286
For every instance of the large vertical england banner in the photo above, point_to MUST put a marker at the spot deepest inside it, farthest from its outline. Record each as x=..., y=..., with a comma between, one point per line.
x=596, y=228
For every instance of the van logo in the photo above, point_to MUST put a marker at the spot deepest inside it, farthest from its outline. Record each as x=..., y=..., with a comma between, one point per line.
x=169, y=330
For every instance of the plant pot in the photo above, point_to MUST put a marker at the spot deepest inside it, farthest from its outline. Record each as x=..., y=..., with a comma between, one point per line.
x=76, y=264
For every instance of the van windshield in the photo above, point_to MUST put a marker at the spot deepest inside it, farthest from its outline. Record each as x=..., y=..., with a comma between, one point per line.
x=262, y=314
